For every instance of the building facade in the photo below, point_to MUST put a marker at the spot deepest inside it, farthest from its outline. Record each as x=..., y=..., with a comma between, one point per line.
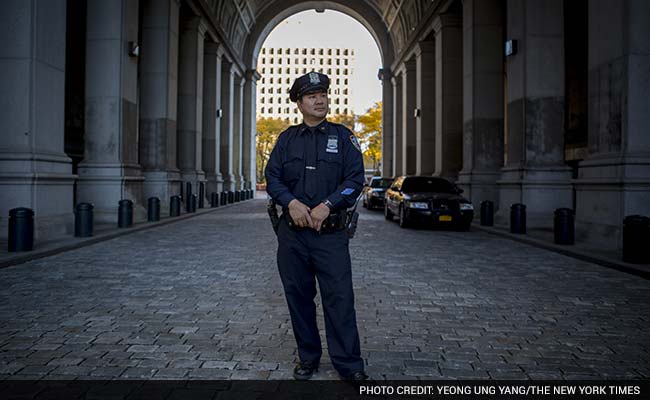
x=279, y=67
x=114, y=99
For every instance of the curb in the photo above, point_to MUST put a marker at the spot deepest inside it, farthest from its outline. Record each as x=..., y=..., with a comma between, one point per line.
x=54, y=248
x=641, y=270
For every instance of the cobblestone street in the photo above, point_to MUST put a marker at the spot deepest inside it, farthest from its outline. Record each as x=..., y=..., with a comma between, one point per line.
x=202, y=299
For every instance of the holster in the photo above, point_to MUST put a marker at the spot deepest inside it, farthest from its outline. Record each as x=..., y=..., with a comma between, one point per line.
x=273, y=215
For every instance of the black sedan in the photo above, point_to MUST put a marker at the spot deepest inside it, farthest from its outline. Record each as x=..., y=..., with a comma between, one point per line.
x=373, y=193
x=428, y=199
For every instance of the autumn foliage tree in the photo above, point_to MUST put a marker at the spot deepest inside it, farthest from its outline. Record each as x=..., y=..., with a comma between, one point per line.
x=370, y=134
x=268, y=130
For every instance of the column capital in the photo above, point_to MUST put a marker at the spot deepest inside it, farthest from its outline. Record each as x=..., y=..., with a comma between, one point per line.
x=252, y=75
x=425, y=46
x=195, y=23
x=445, y=20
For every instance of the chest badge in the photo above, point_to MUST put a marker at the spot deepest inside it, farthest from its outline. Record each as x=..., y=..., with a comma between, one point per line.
x=332, y=144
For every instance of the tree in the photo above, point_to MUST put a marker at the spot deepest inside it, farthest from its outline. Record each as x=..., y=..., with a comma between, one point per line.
x=370, y=134
x=344, y=119
x=268, y=130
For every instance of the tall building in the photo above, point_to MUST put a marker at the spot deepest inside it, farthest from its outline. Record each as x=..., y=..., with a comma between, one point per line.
x=280, y=66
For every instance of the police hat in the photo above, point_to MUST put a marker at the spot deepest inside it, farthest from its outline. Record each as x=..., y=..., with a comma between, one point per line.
x=308, y=83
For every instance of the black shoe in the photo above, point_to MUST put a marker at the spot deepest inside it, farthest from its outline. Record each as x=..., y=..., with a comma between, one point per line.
x=305, y=370
x=356, y=377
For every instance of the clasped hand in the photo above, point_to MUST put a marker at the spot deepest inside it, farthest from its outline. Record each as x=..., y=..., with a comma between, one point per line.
x=305, y=217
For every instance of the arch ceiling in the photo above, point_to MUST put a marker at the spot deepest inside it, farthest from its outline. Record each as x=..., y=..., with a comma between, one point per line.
x=239, y=19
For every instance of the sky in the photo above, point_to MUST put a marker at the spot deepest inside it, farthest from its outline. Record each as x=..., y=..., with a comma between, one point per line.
x=335, y=29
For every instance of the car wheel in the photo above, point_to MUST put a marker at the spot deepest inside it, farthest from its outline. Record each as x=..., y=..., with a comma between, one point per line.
x=387, y=213
x=403, y=220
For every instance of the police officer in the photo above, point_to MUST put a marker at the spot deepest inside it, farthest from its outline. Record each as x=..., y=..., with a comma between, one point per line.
x=315, y=172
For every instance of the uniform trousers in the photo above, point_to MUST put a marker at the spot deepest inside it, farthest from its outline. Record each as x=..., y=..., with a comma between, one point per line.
x=305, y=256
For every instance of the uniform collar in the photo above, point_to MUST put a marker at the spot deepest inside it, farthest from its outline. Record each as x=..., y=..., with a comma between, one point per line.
x=322, y=127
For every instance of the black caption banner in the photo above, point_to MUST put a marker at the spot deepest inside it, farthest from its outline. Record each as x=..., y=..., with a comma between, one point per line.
x=312, y=390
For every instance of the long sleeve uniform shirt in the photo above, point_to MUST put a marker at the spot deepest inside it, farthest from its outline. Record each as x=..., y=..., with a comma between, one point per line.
x=339, y=171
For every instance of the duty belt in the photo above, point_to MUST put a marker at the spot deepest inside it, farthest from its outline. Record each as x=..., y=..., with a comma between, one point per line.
x=333, y=223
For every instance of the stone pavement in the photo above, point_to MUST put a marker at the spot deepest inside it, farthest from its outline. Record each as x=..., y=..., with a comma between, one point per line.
x=202, y=299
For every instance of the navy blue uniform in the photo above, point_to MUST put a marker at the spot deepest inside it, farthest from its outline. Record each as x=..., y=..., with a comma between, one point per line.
x=330, y=153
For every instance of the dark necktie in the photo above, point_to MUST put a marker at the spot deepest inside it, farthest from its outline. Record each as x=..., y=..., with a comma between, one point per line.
x=311, y=162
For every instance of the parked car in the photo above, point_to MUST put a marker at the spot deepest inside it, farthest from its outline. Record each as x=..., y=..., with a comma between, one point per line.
x=428, y=199
x=373, y=193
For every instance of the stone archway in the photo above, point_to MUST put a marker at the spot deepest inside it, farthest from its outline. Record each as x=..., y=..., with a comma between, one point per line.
x=362, y=12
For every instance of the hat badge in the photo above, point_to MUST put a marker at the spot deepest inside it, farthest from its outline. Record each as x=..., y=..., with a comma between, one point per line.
x=313, y=78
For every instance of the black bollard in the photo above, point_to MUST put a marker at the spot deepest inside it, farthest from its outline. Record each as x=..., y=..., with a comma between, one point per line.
x=21, y=229
x=636, y=239
x=201, y=194
x=83, y=220
x=181, y=197
x=175, y=206
x=252, y=194
x=214, y=199
x=236, y=196
x=188, y=196
x=192, y=204
x=487, y=213
x=223, y=198
x=125, y=214
x=564, y=226
x=231, y=197
x=518, y=218
x=153, y=209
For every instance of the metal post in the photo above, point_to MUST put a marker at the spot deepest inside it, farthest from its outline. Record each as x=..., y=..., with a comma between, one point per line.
x=125, y=214
x=21, y=229
x=83, y=220
x=153, y=209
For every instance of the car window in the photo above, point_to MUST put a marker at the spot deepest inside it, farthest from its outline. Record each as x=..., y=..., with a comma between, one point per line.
x=427, y=184
x=381, y=183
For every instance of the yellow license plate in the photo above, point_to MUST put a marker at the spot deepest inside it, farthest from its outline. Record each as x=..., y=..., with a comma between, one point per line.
x=445, y=218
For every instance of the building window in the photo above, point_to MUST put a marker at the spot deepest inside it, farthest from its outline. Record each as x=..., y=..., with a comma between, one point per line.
x=263, y=80
x=263, y=60
x=337, y=111
x=329, y=52
x=304, y=70
x=262, y=110
x=345, y=91
x=262, y=91
x=271, y=50
x=345, y=71
x=338, y=81
x=345, y=81
x=336, y=91
x=263, y=50
x=338, y=62
x=262, y=100
x=338, y=52
x=279, y=100
x=288, y=80
x=313, y=51
x=320, y=52
x=345, y=101
x=345, y=61
x=296, y=51
x=270, y=100
x=271, y=80
x=286, y=110
x=270, y=90
x=287, y=100
x=345, y=52
x=271, y=70
x=279, y=110
x=329, y=71
x=336, y=100
x=279, y=51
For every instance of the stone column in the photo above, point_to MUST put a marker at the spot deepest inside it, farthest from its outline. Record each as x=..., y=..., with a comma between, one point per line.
x=409, y=96
x=614, y=180
x=249, y=153
x=110, y=171
x=425, y=138
x=158, y=100
x=227, y=124
x=35, y=172
x=238, y=121
x=397, y=124
x=449, y=95
x=190, y=102
x=482, y=100
x=386, y=123
x=211, y=96
x=535, y=173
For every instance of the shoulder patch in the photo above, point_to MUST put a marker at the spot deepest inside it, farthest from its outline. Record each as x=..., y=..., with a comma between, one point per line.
x=355, y=142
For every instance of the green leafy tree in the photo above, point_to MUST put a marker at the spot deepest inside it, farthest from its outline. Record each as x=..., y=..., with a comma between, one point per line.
x=268, y=130
x=370, y=134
